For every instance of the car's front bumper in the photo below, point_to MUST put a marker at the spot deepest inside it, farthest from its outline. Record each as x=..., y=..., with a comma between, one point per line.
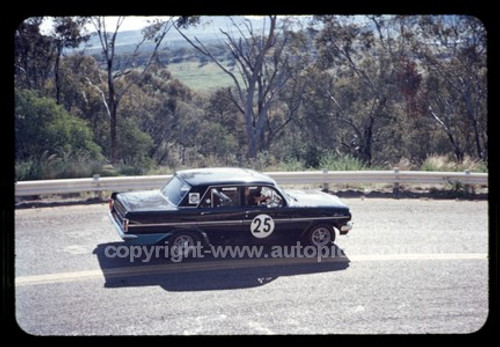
x=344, y=229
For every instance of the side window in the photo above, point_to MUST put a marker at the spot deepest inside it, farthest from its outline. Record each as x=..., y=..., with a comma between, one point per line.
x=221, y=197
x=263, y=196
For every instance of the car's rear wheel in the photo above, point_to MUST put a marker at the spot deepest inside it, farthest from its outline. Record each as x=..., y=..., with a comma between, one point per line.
x=182, y=245
x=321, y=235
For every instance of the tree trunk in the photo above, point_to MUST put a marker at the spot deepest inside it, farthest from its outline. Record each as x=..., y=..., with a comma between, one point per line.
x=113, y=108
x=56, y=73
x=249, y=121
x=113, y=135
x=459, y=155
x=472, y=116
x=367, y=142
x=477, y=139
x=252, y=144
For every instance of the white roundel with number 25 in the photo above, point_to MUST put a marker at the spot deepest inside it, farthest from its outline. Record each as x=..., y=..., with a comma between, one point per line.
x=262, y=226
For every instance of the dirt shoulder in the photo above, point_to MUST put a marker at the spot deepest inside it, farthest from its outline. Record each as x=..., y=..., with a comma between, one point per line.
x=416, y=193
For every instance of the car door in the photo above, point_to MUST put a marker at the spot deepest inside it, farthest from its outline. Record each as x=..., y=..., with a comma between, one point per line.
x=266, y=214
x=220, y=213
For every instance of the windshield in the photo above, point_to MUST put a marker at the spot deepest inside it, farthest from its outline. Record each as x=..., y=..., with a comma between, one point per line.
x=175, y=190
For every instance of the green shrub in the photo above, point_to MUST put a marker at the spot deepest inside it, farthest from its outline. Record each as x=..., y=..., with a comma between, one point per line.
x=49, y=142
x=25, y=170
x=43, y=126
x=334, y=162
x=133, y=146
x=293, y=165
x=129, y=170
x=52, y=166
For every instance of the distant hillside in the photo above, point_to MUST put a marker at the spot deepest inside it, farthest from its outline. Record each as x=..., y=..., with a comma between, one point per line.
x=185, y=63
x=207, y=31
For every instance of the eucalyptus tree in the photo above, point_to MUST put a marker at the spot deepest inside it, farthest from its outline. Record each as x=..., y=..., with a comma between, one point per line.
x=33, y=54
x=154, y=33
x=68, y=32
x=357, y=59
x=259, y=75
x=453, y=56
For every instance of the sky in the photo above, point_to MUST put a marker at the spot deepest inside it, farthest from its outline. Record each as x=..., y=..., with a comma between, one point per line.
x=130, y=23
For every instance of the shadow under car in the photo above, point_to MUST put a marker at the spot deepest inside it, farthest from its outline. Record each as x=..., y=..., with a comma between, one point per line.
x=122, y=267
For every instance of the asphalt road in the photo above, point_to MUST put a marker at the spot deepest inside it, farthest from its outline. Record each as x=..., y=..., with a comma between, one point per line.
x=407, y=267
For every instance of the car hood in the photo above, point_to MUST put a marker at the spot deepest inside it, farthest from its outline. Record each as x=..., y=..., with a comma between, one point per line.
x=314, y=198
x=152, y=200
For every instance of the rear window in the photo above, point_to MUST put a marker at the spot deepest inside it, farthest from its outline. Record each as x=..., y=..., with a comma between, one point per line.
x=175, y=190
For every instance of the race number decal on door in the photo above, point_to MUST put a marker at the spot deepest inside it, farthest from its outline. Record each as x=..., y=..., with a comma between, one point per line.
x=262, y=226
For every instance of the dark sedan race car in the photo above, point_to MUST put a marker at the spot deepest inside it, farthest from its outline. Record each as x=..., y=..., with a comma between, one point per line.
x=215, y=204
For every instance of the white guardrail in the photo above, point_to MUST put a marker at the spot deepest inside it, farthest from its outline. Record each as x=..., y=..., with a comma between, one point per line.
x=395, y=177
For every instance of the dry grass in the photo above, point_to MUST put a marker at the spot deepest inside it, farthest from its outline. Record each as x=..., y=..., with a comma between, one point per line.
x=445, y=163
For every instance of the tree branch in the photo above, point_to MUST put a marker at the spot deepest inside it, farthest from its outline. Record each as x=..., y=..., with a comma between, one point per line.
x=103, y=96
x=158, y=41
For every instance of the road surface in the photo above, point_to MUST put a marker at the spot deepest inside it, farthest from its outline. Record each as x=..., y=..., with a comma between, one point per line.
x=407, y=267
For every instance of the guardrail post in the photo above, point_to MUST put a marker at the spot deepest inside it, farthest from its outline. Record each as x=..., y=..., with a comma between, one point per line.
x=395, y=187
x=95, y=181
x=469, y=189
x=326, y=186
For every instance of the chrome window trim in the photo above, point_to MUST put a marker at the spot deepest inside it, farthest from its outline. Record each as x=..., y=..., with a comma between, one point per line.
x=276, y=189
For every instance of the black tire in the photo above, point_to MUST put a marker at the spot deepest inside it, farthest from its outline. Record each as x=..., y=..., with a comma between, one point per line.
x=320, y=235
x=182, y=244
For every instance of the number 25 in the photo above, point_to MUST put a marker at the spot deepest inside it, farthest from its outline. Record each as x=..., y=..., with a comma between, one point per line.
x=262, y=225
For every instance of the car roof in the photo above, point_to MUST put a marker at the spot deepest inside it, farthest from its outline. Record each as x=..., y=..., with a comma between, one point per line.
x=223, y=175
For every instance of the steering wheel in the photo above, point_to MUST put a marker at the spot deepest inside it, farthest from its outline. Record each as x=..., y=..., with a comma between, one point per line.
x=273, y=200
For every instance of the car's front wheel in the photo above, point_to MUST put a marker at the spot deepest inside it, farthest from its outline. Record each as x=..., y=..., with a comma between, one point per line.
x=320, y=235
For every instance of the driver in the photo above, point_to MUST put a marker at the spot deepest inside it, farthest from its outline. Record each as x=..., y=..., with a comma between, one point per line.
x=254, y=196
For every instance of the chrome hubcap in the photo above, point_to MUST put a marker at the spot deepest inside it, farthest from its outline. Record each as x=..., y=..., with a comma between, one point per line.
x=184, y=241
x=182, y=244
x=321, y=237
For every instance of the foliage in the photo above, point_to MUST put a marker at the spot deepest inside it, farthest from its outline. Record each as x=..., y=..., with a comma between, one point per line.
x=49, y=142
x=33, y=55
x=341, y=92
x=333, y=162
x=133, y=146
x=56, y=166
x=43, y=126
